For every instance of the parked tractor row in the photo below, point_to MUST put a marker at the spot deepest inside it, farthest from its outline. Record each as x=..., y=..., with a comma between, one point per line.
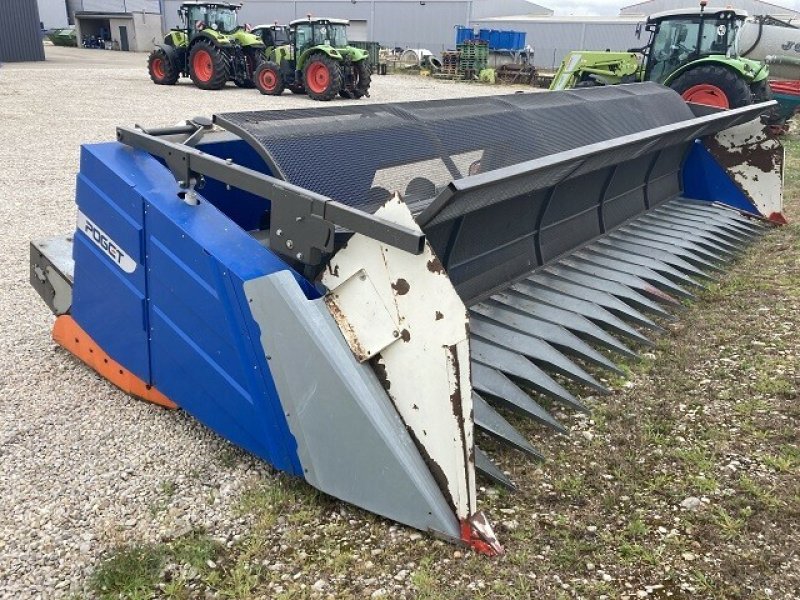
x=309, y=56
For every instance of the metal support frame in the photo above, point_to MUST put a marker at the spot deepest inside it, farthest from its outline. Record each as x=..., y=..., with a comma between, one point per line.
x=302, y=223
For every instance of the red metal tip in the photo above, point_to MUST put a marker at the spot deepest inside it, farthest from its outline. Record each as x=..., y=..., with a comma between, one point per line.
x=778, y=218
x=477, y=533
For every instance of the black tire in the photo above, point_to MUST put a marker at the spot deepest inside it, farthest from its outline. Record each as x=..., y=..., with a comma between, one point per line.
x=161, y=69
x=268, y=80
x=297, y=88
x=763, y=93
x=363, y=77
x=735, y=89
x=253, y=59
x=586, y=83
x=218, y=71
x=332, y=83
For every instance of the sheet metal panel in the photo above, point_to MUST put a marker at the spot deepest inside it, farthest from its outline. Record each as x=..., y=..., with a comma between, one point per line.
x=23, y=41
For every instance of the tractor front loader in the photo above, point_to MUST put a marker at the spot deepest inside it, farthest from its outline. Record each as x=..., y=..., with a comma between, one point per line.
x=317, y=61
x=693, y=51
x=211, y=48
x=357, y=324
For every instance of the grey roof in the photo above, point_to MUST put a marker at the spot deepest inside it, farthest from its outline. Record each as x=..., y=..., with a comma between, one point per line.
x=753, y=7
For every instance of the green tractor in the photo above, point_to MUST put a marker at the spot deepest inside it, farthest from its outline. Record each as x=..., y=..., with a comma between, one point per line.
x=693, y=51
x=211, y=48
x=317, y=61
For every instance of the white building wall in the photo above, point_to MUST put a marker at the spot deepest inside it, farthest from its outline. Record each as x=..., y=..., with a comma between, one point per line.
x=53, y=13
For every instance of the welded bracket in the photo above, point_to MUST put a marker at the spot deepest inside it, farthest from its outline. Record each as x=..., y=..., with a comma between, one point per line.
x=302, y=223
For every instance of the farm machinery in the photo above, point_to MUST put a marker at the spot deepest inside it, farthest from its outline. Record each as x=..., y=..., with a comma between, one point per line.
x=693, y=51
x=317, y=60
x=211, y=48
x=364, y=324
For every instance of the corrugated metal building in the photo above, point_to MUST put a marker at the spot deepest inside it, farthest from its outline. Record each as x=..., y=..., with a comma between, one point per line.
x=22, y=35
x=551, y=38
x=404, y=23
x=53, y=14
x=134, y=25
x=753, y=7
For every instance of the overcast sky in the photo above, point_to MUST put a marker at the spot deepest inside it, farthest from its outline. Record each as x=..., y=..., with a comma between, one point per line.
x=611, y=7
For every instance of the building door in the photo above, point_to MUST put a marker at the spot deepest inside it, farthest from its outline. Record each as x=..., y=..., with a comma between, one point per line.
x=123, y=38
x=358, y=31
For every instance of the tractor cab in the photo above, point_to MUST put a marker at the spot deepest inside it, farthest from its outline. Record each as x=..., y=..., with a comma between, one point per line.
x=679, y=37
x=319, y=32
x=221, y=17
x=272, y=35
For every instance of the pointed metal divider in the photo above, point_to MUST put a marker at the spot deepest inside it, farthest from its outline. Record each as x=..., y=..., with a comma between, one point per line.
x=492, y=423
x=578, y=324
x=516, y=365
x=546, y=280
x=725, y=252
x=556, y=335
x=485, y=466
x=584, y=307
x=659, y=266
x=702, y=230
x=642, y=250
x=700, y=258
x=492, y=382
x=539, y=352
x=623, y=292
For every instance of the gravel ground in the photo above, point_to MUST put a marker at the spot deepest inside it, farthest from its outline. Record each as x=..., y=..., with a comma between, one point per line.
x=83, y=467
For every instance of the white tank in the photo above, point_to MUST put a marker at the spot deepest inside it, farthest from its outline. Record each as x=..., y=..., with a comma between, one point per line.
x=777, y=45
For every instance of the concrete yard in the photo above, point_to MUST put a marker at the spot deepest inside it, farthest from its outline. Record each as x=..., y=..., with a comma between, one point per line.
x=106, y=496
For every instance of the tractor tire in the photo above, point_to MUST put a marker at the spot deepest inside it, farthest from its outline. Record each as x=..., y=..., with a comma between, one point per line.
x=297, y=88
x=161, y=70
x=714, y=86
x=208, y=66
x=763, y=93
x=363, y=78
x=267, y=79
x=253, y=59
x=322, y=77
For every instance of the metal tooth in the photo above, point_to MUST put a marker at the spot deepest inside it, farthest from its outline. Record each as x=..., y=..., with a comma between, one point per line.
x=539, y=352
x=654, y=286
x=721, y=211
x=616, y=289
x=589, y=309
x=511, y=363
x=553, y=334
x=716, y=218
x=548, y=281
x=487, y=468
x=487, y=380
x=699, y=264
x=643, y=261
x=699, y=227
x=666, y=256
x=492, y=423
x=578, y=324
x=695, y=241
x=692, y=249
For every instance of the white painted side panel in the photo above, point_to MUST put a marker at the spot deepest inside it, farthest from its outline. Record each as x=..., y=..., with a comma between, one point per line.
x=425, y=366
x=755, y=160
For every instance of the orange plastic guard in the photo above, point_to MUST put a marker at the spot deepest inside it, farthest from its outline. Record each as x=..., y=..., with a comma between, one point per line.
x=67, y=333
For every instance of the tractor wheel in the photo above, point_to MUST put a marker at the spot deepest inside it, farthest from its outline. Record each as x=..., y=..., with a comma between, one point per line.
x=208, y=66
x=362, y=77
x=714, y=86
x=297, y=88
x=268, y=79
x=160, y=68
x=322, y=77
x=252, y=60
x=763, y=93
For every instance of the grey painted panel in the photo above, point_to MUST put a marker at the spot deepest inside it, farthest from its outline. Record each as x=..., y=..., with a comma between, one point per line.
x=351, y=442
x=117, y=6
x=53, y=13
x=22, y=41
x=754, y=7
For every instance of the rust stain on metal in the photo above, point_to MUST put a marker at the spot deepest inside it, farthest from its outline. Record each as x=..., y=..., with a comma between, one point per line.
x=438, y=473
x=401, y=287
x=346, y=328
x=458, y=409
x=730, y=158
x=405, y=335
x=439, y=316
x=435, y=266
x=333, y=271
x=380, y=372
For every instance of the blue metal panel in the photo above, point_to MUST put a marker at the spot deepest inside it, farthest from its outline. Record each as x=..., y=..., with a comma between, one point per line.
x=181, y=320
x=705, y=179
x=108, y=303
